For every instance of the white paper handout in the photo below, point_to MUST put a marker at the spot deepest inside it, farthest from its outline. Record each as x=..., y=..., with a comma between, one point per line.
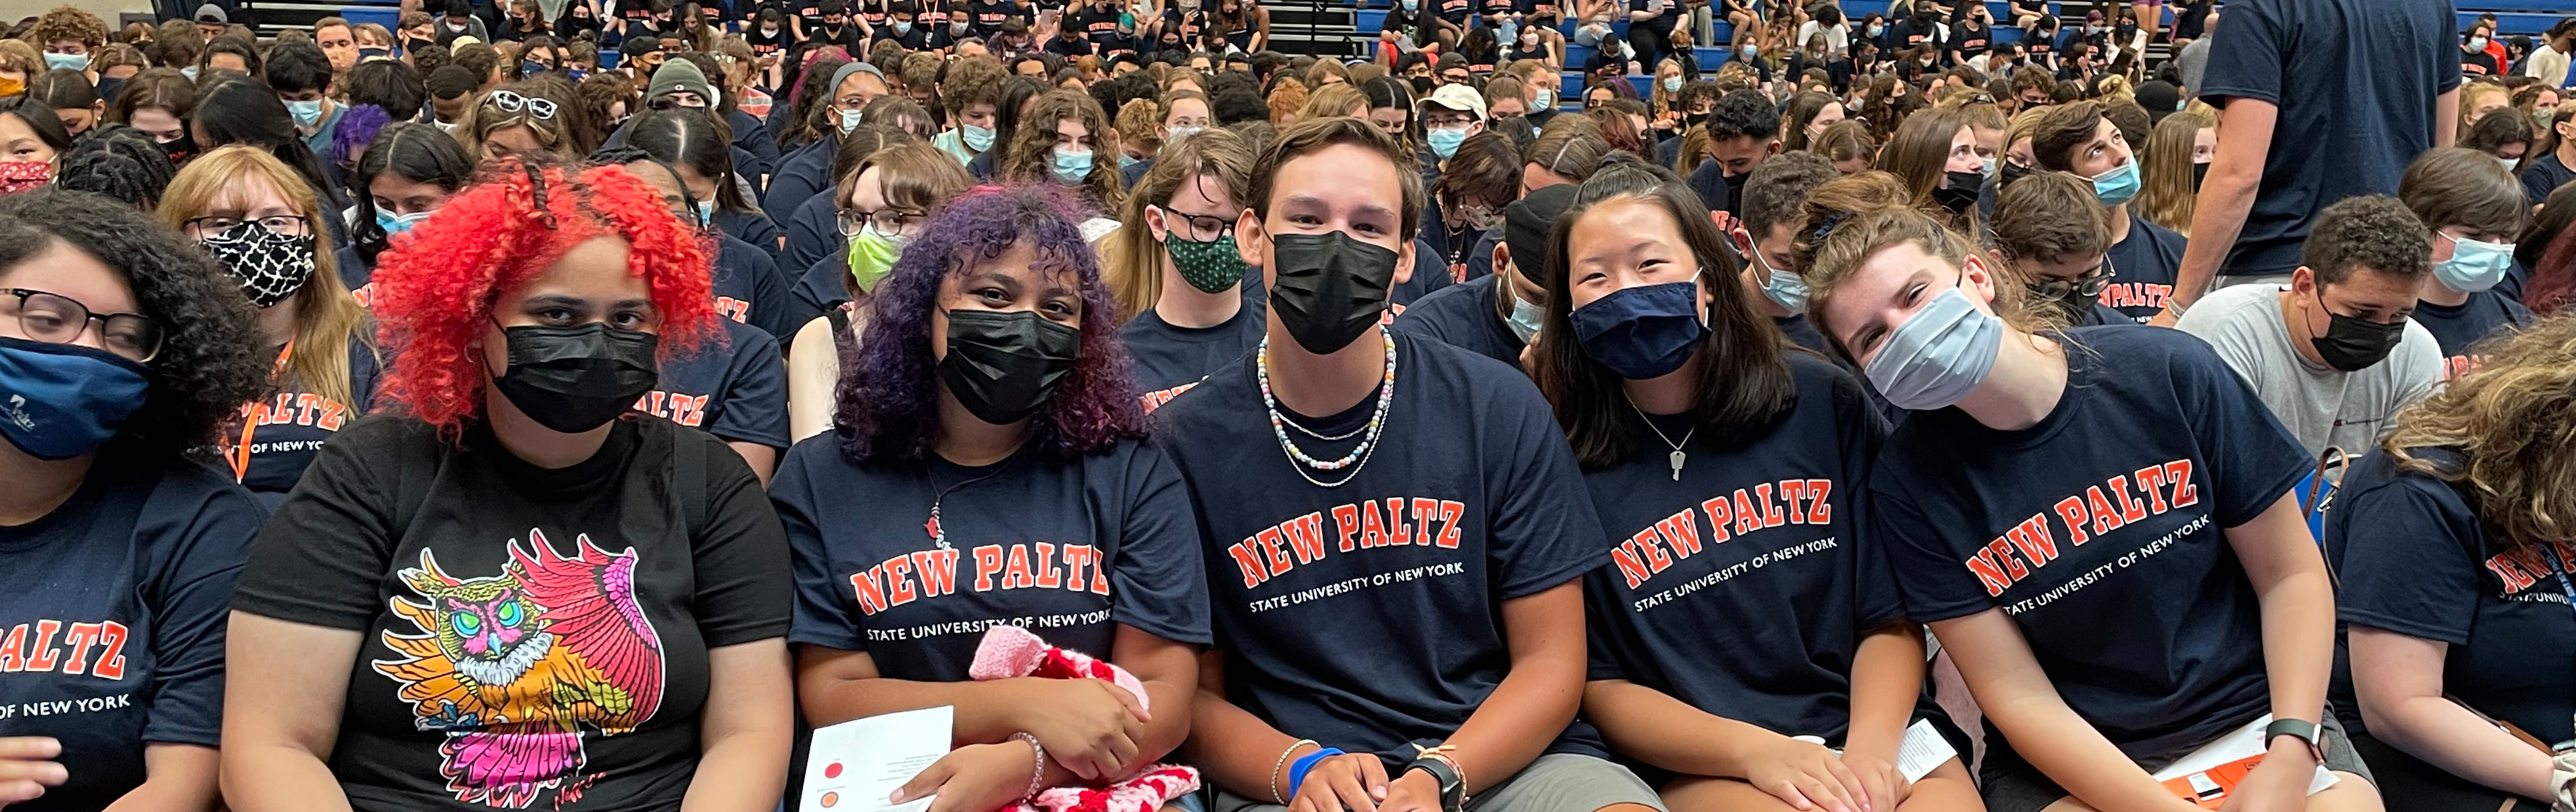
x=2209, y=773
x=856, y=765
x=1918, y=755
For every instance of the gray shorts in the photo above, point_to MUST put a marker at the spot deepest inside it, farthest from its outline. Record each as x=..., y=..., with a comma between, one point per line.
x=2011, y=784
x=1557, y=782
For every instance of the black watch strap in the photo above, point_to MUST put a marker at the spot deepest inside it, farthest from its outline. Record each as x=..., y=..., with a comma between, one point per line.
x=1453, y=792
x=2308, y=733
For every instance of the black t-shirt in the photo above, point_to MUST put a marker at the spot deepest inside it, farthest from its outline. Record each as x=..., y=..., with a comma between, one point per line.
x=2542, y=175
x=1463, y=316
x=1368, y=615
x=2143, y=267
x=1096, y=22
x=1455, y=11
x=989, y=17
x=1070, y=549
x=1069, y=47
x=2486, y=314
x=1968, y=40
x=766, y=43
x=1661, y=24
x=2108, y=511
x=1171, y=359
x=295, y=421
x=735, y=390
x=1115, y=44
x=1744, y=588
x=2394, y=65
x=2414, y=559
x=2479, y=63
x=112, y=612
x=462, y=563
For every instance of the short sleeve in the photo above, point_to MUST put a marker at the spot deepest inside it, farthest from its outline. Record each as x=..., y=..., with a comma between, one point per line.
x=1600, y=657
x=2418, y=367
x=1875, y=601
x=755, y=394
x=2250, y=458
x=741, y=555
x=2408, y=560
x=322, y=558
x=189, y=598
x=1933, y=586
x=2246, y=57
x=1543, y=530
x=821, y=607
x=1158, y=583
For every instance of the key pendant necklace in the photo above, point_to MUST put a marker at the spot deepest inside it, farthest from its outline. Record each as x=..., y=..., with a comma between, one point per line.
x=1677, y=458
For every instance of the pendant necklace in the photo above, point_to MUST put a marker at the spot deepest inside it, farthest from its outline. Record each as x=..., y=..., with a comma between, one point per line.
x=1677, y=457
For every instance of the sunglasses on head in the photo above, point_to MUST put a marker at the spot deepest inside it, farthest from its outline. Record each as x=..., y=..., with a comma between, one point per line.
x=509, y=102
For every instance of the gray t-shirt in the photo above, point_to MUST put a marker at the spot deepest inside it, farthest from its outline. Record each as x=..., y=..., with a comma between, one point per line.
x=2193, y=60
x=2320, y=405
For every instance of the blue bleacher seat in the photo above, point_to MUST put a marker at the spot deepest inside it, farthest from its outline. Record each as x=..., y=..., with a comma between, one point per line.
x=388, y=16
x=1370, y=21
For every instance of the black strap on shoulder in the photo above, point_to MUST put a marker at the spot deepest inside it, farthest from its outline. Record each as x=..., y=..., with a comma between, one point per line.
x=689, y=478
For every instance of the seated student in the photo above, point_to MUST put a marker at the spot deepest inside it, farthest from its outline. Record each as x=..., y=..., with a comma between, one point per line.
x=972, y=95
x=988, y=411
x=450, y=93
x=243, y=111
x=74, y=101
x=2334, y=354
x=889, y=195
x=1454, y=668
x=1061, y=140
x=2555, y=163
x=508, y=487
x=521, y=119
x=254, y=216
x=814, y=232
x=806, y=172
x=2055, y=240
x=2451, y=560
x=111, y=532
x=301, y=74
x=2474, y=209
x=1741, y=130
x=2144, y=256
x=748, y=283
x=408, y=172
x=1666, y=338
x=1765, y=234
x=2198, y=548
x=682, y=84
x=1174, y=256
x=1496, y=315
x=1477, y=178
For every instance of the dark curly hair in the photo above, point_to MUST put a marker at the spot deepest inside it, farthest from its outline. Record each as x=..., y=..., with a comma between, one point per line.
x=887, y=399
x=117, y=161
x=2368, y=231
x=210, y=361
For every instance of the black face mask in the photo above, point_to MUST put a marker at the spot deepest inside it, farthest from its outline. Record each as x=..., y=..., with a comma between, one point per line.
x=1735, y=192
x=1003, y=366
x=180, y=150
x=2353, y=343
x=1958, y=191
x=2011, y=172
x=2199, y=172
x=1424, y=84
x=574, y=379
x=1694, y=119
x=1331, y=287
x=413, y=46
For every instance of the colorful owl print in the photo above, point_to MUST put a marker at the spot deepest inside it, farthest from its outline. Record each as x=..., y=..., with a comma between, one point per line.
x=515, y=669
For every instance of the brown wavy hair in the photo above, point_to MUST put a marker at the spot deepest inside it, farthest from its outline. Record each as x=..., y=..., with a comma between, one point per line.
x=2513, y=420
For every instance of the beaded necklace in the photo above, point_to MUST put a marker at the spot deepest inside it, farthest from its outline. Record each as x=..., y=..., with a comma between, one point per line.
x=1359, y=456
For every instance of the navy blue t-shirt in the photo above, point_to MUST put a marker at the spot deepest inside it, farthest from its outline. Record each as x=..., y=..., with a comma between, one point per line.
x=1464, y=317
x=801, y=174
x=752, y=227
x=356, y=274
x=813, y=232
x=1070, y=549
x=2388, y=58
x=1428, y=275
x=2486, y=313
x=736, y=390
x=1744, y=588
x=112, y=612
x=2108, y=511
x=820, y=287
x=2413, y=558
x=2543, y=174
x=1368, y=616
x=750, y=290
x=2143, y=268
x=295, y=421
x=752, y=136
x=1172, y=359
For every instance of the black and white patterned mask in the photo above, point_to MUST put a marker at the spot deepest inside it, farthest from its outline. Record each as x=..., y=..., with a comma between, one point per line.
x=271, y=266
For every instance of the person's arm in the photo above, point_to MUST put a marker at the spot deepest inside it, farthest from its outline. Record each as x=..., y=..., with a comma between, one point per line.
x=1653, y=9
x=175, y=777
x=285, y=684
x=1665, y=732
x=2446, y=118
x=762, y=458
x=2018, y=700
x=813, y=370
x=1261, y=33
x=2397, y=680
x=1088, y=727
x=1886, y=682
x=745, y=730
x=2289, y=576
x=2226, y=196
x=1534, y=703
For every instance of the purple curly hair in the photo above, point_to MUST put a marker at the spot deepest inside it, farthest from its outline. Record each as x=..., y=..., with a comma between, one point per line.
x=887, y=400
x=357, y=127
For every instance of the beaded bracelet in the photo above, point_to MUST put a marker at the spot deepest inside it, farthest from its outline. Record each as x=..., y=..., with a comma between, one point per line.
x=1275, y=792
x=1037, y=774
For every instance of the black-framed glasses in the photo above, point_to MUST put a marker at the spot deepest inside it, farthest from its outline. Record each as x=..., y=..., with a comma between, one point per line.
x=891, y=222
x=285, y=225
x=1196, y=227
x=2086, y=286
x=57, y=319
x=509, y=102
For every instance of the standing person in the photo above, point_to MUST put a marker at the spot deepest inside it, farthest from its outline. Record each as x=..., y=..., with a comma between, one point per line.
x=988, y=399
x=2474, y=209
x=133, y=351
x=257, y=220
x=620, y=585
x=2230, y=614
x=1174, y=255
x=2548, y=63
x=2279, y=163
x=2447, y=540
x=406, y=174
x=1469, y=685
x=2143, y=256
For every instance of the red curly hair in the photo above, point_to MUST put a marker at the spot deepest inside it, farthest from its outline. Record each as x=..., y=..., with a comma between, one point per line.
x=436, y=288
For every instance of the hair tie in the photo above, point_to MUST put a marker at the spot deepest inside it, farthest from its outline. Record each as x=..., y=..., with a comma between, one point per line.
x=537, y=194
x=1833, y=220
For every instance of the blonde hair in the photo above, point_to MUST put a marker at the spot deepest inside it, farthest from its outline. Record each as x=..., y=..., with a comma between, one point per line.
x=1136, y=121
x=1131, y=258
x=1332, y=101
x=2514, y=420
x=1851, y=241
x=327, y=317
x=2166, y=195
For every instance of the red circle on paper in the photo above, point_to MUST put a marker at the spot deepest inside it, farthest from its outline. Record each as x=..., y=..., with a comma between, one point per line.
x=833, y=771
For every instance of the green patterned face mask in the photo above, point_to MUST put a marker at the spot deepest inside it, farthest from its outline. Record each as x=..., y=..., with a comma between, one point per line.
x=1212, y=266
x=871, y=256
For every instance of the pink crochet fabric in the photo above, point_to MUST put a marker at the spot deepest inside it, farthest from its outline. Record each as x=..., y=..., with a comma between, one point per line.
x=1010, y=651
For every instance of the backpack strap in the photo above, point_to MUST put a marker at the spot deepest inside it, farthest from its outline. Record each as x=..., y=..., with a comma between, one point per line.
x=689, y=477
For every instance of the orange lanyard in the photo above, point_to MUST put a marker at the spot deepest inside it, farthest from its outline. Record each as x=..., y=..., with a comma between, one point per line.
x=239, y=456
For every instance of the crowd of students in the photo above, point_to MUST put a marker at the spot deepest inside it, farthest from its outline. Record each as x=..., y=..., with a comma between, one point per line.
x=1396, y=436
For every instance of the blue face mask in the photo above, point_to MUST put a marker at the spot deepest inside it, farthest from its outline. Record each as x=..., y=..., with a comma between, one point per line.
x=977, y=138
x=396, y=224
x=1939, y=355
x=59, y=401
x=2475, y=265
x=1525, y=318
x=2116, y=186
x=1444, y=142
x=849, y=121
x=1781, y=287
x=1072, y=167
x=55, y=61
x=575, y=75
x=706, y=213
x=1125, y=163
x=307, y=113
x=531, y=68
x=902, y=28
x=190, y=72
x=1642, y=332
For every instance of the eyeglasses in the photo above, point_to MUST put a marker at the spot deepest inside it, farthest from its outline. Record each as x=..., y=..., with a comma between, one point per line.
x=509, y=102
x=1196, y=227
x=2087, y=286
x=56, y=319
x=889, y=221
x=287, y=225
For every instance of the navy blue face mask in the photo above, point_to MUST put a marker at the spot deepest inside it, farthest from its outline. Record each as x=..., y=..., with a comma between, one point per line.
x=1642, y=332
x=59, y=401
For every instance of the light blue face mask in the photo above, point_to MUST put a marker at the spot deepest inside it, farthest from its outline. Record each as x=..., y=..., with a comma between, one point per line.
x=307, y=113
x=1072, y=167
x=2475, y=265
x=55, y=61
x=1989, y=169
x=1444, y=141
x=1785, y=289
x=1525, y=318
x=396, y=224
x=2117, y=185
x=706, y=213
x=190, y=72
x=902, y=28
x=849, y=121
x=976, y=138
x=1939, y=355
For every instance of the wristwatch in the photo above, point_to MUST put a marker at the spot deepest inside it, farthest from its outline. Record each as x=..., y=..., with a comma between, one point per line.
x=1453, y=792
x=2305, y=731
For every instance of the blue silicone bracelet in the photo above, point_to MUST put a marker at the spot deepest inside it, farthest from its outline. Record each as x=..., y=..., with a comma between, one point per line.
x=1297, y=771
